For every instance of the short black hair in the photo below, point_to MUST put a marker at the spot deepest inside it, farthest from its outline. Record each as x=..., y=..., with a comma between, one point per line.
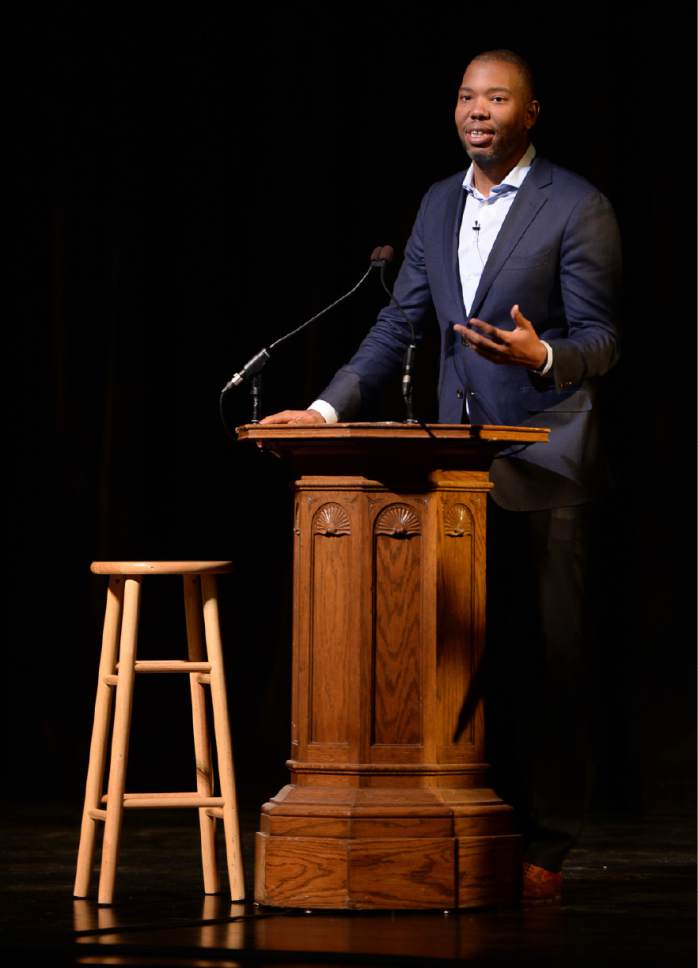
x=511, y=57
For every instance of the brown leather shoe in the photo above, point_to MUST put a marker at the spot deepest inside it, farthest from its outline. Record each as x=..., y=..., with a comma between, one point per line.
x=541, y=884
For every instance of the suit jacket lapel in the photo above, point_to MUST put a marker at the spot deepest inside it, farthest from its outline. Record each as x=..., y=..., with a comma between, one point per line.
x=451, y=240
x=528, y=202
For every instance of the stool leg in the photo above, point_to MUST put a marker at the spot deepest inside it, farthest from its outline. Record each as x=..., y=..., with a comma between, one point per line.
x=120, y=736
x=202, y=743
x=100, y=728
x=226, y=770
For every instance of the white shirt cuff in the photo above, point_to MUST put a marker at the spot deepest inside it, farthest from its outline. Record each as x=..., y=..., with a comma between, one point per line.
x=326, y=410
x=548, y=365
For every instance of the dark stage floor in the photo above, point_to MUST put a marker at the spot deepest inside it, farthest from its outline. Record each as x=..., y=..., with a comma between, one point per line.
x=629, y=898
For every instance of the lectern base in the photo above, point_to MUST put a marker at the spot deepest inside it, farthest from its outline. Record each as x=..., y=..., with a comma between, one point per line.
x=386, y=847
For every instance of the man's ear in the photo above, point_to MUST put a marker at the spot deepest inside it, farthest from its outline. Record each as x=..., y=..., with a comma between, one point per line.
x=533, y=112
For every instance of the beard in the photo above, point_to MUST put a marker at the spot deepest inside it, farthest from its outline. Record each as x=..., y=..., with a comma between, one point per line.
x=504, y=148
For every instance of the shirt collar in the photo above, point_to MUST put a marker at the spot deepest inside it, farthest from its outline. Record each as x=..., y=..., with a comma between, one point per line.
x=512, y=181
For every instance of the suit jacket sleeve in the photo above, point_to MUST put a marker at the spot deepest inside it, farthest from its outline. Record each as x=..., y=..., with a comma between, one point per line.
x=380, y=355
x=590, y=276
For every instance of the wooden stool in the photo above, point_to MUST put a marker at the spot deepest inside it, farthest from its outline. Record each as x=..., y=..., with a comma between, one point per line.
x=204, y=668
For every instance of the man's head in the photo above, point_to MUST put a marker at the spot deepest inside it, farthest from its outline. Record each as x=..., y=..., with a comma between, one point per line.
x=496, y=109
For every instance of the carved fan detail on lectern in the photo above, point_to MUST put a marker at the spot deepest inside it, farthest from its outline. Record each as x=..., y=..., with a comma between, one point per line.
x=332, y=521
x=398, y=521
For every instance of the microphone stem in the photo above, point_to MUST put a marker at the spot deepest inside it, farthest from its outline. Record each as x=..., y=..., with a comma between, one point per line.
x=407, y=382
x=409, y=357
x=256, y=395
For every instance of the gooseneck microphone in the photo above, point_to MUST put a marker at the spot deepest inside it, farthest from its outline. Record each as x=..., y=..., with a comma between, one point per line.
x=379, y=257
x=251, y=368
x=254, y=366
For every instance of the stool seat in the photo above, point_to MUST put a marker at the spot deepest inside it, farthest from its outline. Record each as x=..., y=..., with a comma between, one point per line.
x=161, y=567
x=118, y=668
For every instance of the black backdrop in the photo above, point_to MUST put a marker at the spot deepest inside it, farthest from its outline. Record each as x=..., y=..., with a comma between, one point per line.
x=190, y=188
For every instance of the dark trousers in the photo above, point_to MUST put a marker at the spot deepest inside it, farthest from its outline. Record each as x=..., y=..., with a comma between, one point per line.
x=538, y=685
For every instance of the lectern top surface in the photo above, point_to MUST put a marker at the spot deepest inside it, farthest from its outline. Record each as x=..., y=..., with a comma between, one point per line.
x=392, y=430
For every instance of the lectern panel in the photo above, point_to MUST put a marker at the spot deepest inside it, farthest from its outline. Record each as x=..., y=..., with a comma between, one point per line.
x=458, y=636
x=330, y=633
x=397, y=569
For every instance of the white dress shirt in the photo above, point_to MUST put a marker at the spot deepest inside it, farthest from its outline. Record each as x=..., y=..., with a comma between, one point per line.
x=483, y=217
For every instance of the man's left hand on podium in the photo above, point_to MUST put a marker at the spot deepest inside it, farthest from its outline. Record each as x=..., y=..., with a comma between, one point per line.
x=294, y=417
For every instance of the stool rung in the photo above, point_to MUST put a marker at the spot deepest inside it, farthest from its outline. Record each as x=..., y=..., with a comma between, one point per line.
x=138, y=800
x=170, y=665
x=163, y=665
x=97, y=814
x=215, y=812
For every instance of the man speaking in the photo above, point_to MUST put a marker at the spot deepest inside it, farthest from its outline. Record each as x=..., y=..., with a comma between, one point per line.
x=521, y=261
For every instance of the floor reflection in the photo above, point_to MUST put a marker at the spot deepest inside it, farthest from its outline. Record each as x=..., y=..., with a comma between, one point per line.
x=221, y=926
x=628, y=897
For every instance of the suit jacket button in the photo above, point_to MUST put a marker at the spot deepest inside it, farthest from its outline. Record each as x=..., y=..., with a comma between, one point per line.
x=459, y=394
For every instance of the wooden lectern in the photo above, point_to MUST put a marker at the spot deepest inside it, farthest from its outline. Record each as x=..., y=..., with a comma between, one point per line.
x=389, y=805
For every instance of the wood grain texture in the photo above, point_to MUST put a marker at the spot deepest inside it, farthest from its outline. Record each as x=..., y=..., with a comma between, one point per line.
x=489, y=870
x=405, y=873
x=302, y=872
x=331, y=566
x=396, y=652
x=387, y=848
x=460, y=633
x=389, y=804
x=390, y=452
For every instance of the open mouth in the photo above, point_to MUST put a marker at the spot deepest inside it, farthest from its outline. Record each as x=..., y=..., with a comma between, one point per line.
x=479, y=136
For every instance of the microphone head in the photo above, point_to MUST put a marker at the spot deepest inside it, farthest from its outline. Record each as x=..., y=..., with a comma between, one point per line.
x=381, y=255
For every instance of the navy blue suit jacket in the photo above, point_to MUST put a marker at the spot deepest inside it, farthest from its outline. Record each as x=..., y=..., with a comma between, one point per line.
x=558, y=256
